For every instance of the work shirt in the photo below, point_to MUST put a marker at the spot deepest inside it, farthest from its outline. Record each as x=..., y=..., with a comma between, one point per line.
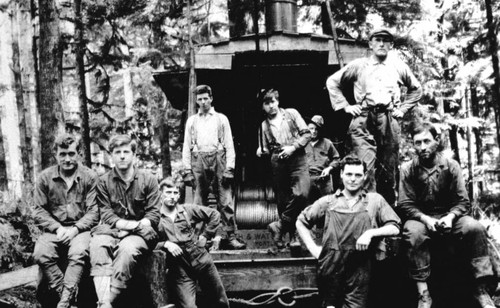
x=289, y=129
x=181, y=230
x=55, y=204
x=380, y=212
x=208, y=133
x=437, y=191
x=133, y=201
x=375, y=84
x=321, y=154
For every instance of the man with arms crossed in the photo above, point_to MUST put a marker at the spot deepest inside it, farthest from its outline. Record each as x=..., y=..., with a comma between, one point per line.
x=353, y=221
x=129, y=201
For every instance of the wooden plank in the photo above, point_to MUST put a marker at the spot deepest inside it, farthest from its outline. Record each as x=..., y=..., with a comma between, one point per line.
x=28, y=275
x=257, y=275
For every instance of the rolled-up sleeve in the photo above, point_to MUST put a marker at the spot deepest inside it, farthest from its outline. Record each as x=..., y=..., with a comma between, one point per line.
x=314, y=214
x=386, y=215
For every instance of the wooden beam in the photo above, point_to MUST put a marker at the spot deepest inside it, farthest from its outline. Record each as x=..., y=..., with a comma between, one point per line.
x=28, y=275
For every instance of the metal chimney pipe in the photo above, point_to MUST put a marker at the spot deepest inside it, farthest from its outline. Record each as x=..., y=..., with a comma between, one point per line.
x=281, y=15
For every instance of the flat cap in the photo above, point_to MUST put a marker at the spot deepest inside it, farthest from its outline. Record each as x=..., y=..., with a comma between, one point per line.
x=318, y=121
x=381, y=32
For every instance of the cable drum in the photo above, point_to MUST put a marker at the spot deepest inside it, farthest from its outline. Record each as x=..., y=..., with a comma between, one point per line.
x=256, y=194
x=255, y=214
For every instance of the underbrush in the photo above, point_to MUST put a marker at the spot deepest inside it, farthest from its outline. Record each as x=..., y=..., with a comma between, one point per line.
x=18, y=231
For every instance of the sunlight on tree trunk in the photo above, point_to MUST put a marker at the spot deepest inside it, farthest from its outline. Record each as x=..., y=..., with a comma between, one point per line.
x=8, y=111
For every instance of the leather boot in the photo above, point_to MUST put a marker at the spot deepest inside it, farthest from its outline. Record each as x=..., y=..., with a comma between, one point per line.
x=482, y=296
x=294, y=239
x=234, y=243
x=66, y=297
x=424, y=300
x=276, y=229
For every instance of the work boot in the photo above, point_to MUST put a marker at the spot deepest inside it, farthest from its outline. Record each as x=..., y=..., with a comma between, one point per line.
x=276, y=230
x=215, y=243
x=66, y=297
x=294, y=240
x=483, y=297
x=424, y=300
x=234, y=243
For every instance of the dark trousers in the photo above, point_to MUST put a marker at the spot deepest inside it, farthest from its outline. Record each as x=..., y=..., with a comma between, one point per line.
x=320, y=186
x=467, y=234
x=49, y=250
x=196, y=266
x=208, y=170
x=343, y=278
x=375, y=140
x=291, y=185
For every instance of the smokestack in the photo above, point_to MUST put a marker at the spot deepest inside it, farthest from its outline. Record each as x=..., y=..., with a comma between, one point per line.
x=281, y=15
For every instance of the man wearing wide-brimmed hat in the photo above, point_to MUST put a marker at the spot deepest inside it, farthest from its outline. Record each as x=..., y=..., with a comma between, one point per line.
x=322, y=157
x=374, y=130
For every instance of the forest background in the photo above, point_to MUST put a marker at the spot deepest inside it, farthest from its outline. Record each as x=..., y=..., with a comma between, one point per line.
x=87, y=66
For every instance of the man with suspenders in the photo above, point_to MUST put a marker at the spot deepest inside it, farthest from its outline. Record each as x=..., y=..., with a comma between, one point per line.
x=284, y=135
x=208, y=157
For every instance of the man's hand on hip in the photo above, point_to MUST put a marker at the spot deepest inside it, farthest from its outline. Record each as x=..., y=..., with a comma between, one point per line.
x=286, y=151
x=397, y=113
x=354, y=110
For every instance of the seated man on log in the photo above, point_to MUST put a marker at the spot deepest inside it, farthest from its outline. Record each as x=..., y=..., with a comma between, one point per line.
x=323, y=158
x=65, y=209
x=434, y=204
x=129, y=201
x=190, y=261
x=352, y=220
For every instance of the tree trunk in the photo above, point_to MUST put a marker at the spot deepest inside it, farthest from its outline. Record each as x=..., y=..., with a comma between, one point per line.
x=8, y=108
x=22, y=106
x=50, y=79
x=165, y=142
x=82, y=91
x=493, y=48
x=192, y=74
x=3, y=165
x=454, y=142
x=477, y=134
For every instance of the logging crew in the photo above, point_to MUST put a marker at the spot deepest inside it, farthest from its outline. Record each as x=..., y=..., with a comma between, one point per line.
x=352, y=221
x=209, y=159
x=190, y=263
x=434, y=204
x=284, y=135
x=65, y=209
x=374, y=130
x=129, y=201
x=322, y=157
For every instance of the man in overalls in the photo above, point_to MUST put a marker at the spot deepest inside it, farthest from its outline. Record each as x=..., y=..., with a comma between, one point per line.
x=190, y=263
x=209, y=159
x=374, y=130
x=283, y=135
x=354, y=221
